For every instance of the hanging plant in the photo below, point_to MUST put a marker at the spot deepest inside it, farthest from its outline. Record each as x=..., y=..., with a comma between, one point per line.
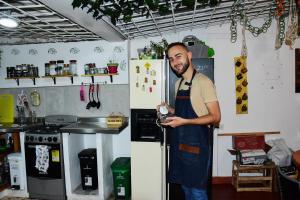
x=124, y=9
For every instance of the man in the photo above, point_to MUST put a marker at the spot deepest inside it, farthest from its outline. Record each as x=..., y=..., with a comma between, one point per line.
x=196, y=107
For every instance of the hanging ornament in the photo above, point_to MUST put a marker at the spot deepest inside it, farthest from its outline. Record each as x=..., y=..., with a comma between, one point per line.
x=291, y=33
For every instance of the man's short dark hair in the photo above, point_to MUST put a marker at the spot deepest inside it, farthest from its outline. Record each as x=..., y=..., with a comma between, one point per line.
x=175, y=44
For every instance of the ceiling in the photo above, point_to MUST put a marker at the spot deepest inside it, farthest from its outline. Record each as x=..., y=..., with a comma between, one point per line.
x=56, y=21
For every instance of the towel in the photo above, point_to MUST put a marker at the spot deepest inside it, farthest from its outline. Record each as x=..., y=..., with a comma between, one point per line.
x=42, y=158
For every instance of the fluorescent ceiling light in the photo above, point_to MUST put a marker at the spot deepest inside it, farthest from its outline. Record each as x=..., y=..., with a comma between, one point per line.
x=9, y=22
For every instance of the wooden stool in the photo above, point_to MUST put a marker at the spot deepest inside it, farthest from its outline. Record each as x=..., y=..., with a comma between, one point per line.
x=254, y=182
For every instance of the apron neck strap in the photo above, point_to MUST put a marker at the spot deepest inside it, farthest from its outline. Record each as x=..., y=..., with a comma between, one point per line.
x=188, y=83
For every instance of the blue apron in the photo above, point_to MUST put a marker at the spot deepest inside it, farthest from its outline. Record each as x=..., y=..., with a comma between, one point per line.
x=189, y=146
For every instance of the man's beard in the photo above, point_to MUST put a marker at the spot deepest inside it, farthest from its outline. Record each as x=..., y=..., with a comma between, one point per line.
x=185, y=68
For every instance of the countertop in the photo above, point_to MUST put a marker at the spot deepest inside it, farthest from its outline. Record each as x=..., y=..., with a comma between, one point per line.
x=83, y=126
x=93, y=125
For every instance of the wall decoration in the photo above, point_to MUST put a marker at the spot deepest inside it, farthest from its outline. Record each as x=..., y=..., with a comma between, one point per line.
x=52, y=51
x=32, y=52
x=297, y=70
x=74, y=50
x=241, y=85
x=98, y=49
x=118, y=49
x=15, y=51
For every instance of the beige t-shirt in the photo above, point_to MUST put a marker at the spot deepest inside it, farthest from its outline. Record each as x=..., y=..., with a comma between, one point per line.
x=202, y=91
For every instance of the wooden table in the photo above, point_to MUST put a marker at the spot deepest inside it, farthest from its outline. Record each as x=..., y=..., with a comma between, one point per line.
x=262, y=182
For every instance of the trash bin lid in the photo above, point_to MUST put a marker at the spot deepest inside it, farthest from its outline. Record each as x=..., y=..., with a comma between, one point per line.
x=121, y=163
x=16, y=156
x=88, y=153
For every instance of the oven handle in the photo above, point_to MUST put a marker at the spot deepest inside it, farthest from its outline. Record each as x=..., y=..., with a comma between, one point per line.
x=33, y=146
x=43, y=178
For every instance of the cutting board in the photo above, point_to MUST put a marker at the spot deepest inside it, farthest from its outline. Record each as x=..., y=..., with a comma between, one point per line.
x=6, y=108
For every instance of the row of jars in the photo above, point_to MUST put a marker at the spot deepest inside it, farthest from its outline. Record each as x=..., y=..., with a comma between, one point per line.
x=58, y=67
x=90, y=69
x=23, y=70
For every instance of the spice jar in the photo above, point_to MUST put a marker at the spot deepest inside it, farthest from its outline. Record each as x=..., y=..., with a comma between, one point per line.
x=73, y=67
x=66, y=70
x=52, y=67
x=47, y=69
x=60, y=66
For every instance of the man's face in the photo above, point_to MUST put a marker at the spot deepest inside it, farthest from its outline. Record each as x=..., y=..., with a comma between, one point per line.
x=179, y=59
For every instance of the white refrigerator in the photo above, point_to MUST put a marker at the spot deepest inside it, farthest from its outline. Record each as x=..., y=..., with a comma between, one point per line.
x=147, y=90
x=151, y=82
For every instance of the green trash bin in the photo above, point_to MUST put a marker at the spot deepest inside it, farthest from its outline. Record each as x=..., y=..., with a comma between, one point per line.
x=121, y=177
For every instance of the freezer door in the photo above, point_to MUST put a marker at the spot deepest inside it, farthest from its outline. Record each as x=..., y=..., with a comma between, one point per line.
x=147, y=171
x=146, y=86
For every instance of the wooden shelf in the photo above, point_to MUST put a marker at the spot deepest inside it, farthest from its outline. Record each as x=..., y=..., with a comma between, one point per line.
x=261, y=182
x=59, y=76
x=28, y=77
x=93, y=75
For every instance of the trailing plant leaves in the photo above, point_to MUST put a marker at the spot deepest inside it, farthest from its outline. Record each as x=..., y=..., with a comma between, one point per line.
x=163, y=10
x=76, y=3
x=188, y=3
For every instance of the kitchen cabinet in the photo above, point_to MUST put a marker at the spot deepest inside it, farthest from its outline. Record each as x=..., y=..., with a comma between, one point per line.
x=75, y=143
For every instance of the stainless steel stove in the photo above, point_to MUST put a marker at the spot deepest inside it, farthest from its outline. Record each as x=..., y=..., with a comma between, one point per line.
x=44, y=158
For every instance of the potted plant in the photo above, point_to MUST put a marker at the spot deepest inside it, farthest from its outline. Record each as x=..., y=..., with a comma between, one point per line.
x=159, y=48
x=112, y=67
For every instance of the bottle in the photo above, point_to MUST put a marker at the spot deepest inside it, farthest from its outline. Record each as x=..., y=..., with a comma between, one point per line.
x=60, y=66
x=35, y=98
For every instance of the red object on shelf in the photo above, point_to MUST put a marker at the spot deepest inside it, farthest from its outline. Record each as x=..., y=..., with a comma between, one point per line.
x=248, y=142
x=112, y=69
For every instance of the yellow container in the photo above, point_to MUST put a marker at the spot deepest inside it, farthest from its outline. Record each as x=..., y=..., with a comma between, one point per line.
x=6, y=108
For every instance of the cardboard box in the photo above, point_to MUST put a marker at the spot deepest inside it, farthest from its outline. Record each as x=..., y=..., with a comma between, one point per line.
x=248, y=142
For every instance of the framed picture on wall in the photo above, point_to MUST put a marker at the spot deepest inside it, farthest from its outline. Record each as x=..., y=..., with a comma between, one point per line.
x=297, y=70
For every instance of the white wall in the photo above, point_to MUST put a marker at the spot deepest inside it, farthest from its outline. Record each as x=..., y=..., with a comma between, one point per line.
x=273, y=104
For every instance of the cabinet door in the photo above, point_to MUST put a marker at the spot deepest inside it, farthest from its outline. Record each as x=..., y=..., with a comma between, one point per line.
x=146, y=171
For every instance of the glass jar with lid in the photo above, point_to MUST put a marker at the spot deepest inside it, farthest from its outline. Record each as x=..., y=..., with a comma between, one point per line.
x=35, y=98
x=52, y=65
x=60, y=66
x=47, y=69
x=73, y=67
x=66, y=70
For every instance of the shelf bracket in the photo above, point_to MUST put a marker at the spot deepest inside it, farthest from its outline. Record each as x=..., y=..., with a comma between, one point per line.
x=18, y=81
x=54, y=80
x=71, y=79
x=92, y=79
x=111, y=78
x=33, y=79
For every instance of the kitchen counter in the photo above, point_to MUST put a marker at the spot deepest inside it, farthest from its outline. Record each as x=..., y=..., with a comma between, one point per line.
x=11, y=128
x=93, y=125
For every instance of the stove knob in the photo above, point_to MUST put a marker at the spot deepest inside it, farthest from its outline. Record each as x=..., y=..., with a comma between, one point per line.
x=27, y=138
x=40, y=139
x=31, y=138
x=49, y=139
x=54, y=139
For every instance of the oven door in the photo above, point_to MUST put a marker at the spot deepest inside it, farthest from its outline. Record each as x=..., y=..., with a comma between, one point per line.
x=43, y=160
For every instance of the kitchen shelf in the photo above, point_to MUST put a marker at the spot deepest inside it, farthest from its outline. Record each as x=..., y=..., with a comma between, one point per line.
x=28, y=77
x=59, y=76
x=93, y=75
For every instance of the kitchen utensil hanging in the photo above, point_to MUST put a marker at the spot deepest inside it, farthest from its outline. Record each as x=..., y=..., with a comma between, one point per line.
x=89, y=105
x=98, y=91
